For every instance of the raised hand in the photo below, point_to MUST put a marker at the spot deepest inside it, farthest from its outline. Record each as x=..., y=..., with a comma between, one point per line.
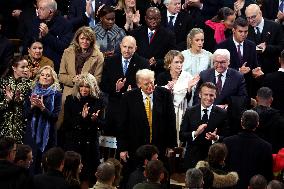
x=8, y=93
x=95, y=115
x=244, y=69
x=119, y=84
x=212, y=135
x=85, y=110
x=200, y=129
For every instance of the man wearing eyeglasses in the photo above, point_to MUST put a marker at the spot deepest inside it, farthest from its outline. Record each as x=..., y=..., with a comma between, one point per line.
x=268, y=37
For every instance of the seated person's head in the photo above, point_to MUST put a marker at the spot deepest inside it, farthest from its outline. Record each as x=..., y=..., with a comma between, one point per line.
x=250, y=120
x=208, y=177
x=194, y=178
x=54, y=159
x=24, y=156
x=72, y=167
x=118, y=168
x=275, y=184
x=264, y=96
x=154, y=171
x=146, y=153
x=106, y=173
x=8, y=148
x=257, y=182
x=217, y=154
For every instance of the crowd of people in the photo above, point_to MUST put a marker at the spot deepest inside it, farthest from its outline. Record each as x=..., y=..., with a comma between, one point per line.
x=204, y=76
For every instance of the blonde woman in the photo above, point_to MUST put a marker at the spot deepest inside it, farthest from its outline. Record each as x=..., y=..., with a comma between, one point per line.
x=42, y=110
x=83, y=112
x=82, y=56
x=196, y=59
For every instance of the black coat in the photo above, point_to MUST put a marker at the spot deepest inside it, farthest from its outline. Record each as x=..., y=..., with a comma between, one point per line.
x=275, y=82
x=111, y=73
x=134, y=128
x=197, y=149
x=6, y=54
x=248, y=155
x=273, y=35
x=52, y=179
x=162, y=42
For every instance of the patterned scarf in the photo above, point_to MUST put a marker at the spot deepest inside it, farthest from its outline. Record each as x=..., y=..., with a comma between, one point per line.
x=40, y=124
x=81, y=58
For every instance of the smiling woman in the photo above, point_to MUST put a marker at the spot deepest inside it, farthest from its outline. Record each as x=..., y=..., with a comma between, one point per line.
x=14, y=88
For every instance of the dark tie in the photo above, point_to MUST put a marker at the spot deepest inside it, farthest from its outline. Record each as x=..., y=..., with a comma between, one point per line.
x=240, y=53
x=205, y=116
x=150, y=36
x=171, y=23
x=281, y=6
x=258, y=36
x=219, y=84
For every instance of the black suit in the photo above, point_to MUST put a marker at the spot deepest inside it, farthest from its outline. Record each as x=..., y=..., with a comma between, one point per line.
x=234, y=85
x=6, y=54
x=134, y=127
x=248, y=155
x=273, y=35
x=198, y=149
x=51, y=179
x=162, y=42
x=275, y=82
x=270, y=9
x=249, y=56
x=183, y=24
x=111, y=73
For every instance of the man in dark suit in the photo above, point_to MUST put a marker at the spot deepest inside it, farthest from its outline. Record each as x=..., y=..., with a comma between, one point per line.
x=52, y=29
x=248, y=154
x=267, y=35
x=242, y=51
x=229, y=82
x=202, y=124
x=119, y=75
x=275, y=82
x=271, y=123
x=153, y=40
x=147, y=117
x=179, y=22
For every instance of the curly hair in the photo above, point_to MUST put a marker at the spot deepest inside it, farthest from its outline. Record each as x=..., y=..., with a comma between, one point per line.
x=170, y=56
x=88, y=33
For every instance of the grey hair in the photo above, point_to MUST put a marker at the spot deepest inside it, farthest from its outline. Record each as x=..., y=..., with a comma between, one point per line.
x=52, y=5
x=191, y=35
x=194, y=178
x=144, y=73
x=89, y=80
x=221, y=52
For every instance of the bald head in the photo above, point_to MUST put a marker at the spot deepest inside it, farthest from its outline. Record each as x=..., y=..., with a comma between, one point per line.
x=253, y=14
x=128, y=47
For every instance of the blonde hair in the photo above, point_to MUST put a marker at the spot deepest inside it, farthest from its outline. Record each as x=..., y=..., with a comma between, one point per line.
x=122, y=6
x=145, y=74
x=55, y=85
x=170, y=57
x=191, y=35
x=88, y=33
x=89, y=80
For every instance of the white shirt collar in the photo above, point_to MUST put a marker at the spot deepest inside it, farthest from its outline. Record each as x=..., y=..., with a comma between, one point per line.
x=170, y=14
x=123, y=59
x=209, y=108
x=153, y=31
x=237, y=43
x=223, y=74
x=144, y=95
x=260, y=25
x=281, y=69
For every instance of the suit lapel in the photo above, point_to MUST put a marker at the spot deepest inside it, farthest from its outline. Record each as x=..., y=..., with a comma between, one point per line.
x=226, y=85
x=245, y=53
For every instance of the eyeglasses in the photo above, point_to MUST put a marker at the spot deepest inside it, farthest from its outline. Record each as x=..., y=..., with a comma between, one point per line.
x=251, y=17
x=220, y=62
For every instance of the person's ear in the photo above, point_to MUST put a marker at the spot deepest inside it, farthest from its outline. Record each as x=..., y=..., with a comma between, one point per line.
x=162, y=176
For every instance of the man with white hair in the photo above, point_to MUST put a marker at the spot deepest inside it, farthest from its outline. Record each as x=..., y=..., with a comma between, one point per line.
x=268, y=37
x=229, y=82
x=147, y=117
x=53, y=30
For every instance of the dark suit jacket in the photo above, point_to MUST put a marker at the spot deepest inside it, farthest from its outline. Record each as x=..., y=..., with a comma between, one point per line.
x=234, y=85
x=248, y=155
x=52, y=179
x=111, y=73
x=183, y=24
x=273, y=35
x=249, y=53
x=162, y=42
x=134, y=127
x=197, y=150
x=270, y=9
x=275, y=82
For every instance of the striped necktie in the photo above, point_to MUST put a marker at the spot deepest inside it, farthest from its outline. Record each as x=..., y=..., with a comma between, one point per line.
x=149, y=114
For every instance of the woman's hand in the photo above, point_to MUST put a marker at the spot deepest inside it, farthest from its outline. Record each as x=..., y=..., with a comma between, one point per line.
x=85, y=110
x=192, y=82
x=38, y=102
x=8, y=94
x=170, y=85
x=136, y=18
